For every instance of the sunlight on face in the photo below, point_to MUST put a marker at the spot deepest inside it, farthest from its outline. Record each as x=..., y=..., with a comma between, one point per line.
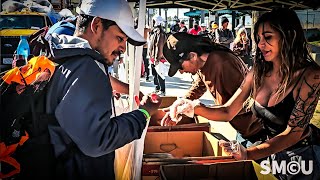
x=112, y=43
x=191, y=66
x=268, y=42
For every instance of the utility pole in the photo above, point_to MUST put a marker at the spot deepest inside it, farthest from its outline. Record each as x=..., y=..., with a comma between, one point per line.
x=166, y=17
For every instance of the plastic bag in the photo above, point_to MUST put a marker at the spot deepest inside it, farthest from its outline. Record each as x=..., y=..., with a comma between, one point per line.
x=162, y=70
x=182, y=106
x=128, y=159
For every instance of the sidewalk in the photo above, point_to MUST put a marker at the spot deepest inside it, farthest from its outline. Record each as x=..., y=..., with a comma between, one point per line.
x=179, y=85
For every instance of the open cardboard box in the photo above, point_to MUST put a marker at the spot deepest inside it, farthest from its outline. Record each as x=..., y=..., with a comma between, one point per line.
x=183, y=127
x=240, y=170
x=182, y=143
x=166, y=102
x=184, y=146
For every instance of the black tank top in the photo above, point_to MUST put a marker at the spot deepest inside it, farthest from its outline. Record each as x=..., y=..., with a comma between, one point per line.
x=275, y=118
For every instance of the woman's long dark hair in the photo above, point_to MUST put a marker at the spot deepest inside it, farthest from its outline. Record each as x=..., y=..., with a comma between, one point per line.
x=294, y=52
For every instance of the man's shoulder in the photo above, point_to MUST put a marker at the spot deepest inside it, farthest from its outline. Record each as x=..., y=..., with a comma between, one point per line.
x=221, y=57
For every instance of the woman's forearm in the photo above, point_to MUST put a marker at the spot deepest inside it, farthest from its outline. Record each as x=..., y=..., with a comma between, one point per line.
x=274, y=145
x=217, y=113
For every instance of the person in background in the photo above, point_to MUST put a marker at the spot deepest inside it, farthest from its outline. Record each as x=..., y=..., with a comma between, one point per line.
x=239, y=26
x=146, y=74
x=175, y=27
x=146, y=32
x=203, y=30
x=66, y=26
x=157, y=40
x=223, y=35
x=285, y=84
x=216, y=69
x=80, y=98
x=214, y=27
x=195, y=30
x=183, y=27
x=241, y=46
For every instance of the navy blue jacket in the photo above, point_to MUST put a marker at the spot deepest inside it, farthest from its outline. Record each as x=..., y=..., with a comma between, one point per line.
x=80, y=97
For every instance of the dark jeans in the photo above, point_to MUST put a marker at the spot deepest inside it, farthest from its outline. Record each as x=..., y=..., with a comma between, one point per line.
x=310, y=154
x=157, y=80
x=146, y=62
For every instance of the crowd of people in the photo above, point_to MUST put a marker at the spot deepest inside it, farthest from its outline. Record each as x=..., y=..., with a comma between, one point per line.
x=269, y=101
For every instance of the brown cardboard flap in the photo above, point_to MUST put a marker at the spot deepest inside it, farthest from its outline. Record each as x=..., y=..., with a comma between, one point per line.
x=183, y=127
x=240, y=170
x=167, y=101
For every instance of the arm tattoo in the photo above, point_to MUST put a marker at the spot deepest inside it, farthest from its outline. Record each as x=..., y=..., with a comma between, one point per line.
x=304, y=107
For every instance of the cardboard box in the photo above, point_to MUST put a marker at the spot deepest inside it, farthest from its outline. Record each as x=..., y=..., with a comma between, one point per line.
x=184, y=146
x=182, y=143
x=167, y=101
x=156, y=118
x=206, y=127
x=240, y=170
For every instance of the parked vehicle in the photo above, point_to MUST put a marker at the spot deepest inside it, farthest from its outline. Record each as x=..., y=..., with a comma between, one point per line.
x=16, y=24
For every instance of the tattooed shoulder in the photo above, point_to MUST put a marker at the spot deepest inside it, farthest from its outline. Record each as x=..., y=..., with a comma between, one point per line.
x=306, y=100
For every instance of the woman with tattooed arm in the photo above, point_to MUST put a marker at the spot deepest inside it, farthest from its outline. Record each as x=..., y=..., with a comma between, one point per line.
x=285, y=84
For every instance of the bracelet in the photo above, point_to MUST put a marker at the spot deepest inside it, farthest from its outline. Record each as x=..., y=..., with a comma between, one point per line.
x=145, y=112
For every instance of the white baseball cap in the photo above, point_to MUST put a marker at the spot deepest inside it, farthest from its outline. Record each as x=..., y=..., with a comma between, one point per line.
x=203, y=25
x=158, y=20
x=117, y=11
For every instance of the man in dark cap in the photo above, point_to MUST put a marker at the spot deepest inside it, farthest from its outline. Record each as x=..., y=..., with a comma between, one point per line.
x=175, y=28
x=183, y=27
x=216, y=69
x=223, y=35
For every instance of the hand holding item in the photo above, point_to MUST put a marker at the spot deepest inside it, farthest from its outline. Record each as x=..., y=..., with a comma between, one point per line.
x=116, y=94
x=234, y=148
x=150, y=103
x=167, y=121
x=182, y=106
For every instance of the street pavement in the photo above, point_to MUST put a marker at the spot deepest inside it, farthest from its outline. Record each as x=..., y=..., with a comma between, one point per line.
x=179, y=85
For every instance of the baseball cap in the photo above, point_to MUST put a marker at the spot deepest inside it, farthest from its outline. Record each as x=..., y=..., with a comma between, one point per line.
x=176, y=48
x=224, y=20
x=117, y=11
x=158, y=20
x=203, y=25
x=214, y=25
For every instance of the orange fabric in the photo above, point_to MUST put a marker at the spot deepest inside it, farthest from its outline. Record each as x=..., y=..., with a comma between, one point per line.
x=5, y=156
x=30, y=71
